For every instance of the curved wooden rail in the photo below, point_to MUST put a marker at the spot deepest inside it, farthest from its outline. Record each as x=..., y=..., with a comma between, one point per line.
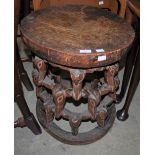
x=110, y=4
x=134, y=5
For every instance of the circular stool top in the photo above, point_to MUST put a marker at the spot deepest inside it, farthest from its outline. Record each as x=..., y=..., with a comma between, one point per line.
x=77, y=35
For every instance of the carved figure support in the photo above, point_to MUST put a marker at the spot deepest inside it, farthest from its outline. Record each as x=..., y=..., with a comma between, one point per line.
x=75, y=123
x=110, y=73
x=49, y=88
x=93, y=100
x=111, y=80
x=59, y=99
x=41, y=67
x=49, y=114
x=39, y=73
x=101, y=118
x=77, y=77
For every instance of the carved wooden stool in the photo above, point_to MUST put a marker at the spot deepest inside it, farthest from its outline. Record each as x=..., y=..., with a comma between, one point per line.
x=77, y=52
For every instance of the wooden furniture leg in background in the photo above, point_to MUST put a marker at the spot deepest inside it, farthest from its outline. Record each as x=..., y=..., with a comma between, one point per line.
x=133, y=60
x=128, y=70
x=122, y=114
x=131, y=57
x=24, y=8
x=29, y=119
x=23, y=74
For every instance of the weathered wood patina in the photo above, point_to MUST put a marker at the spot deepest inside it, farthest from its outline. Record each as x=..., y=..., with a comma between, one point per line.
x=80, y=40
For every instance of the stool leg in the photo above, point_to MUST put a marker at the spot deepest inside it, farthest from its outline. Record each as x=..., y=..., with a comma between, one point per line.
x=23, y=74
x=122, y=114
x=29, y=118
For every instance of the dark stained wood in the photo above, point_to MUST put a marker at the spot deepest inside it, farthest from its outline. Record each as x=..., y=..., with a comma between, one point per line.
x=131, y=57
x=20, y=122
x=130, y=60
x=110, y=4
x=57, y=35
x=49, y=90
x=122, y=114
x=23, y=74
x=24, y=8
x=24, y=11
x=19, y=66
x=132, y=16
x=116, y=6
x=123, y=4
x=81, y=138
x=27, y=9
x=77, y=28
x=134, y=5
x=29, y=119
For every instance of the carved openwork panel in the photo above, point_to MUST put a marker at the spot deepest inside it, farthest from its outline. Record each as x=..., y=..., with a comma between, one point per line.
x=53, y=92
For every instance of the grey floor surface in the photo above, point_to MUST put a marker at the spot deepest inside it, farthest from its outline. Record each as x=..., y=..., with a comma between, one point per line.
x=122, y=139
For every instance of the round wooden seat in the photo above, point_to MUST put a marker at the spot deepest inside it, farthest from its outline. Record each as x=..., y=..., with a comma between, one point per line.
x=77, y=36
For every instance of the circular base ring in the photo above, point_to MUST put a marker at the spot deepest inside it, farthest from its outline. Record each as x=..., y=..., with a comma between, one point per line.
x=82, y=138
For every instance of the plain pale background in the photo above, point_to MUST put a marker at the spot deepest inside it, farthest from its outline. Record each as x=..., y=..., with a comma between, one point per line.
x=147, y=80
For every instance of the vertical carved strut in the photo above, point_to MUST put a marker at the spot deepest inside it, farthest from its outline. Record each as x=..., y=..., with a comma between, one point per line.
x=110, y=73
x=101, y=118
x=39, y=73
x=75, y=123
x=77, y=77
x=38, y=78
x=112, y=79
x=59, y=99
x=41, y=67
x=49, y=114
x=93, y=100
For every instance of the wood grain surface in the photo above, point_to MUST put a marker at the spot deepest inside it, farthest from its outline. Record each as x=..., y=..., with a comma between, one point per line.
x=59, y=33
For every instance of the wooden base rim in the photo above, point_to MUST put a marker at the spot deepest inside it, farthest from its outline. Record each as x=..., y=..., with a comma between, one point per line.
x=82, y=138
